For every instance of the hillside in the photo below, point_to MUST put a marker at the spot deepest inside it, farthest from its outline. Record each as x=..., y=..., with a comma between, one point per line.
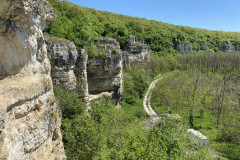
x=75, y=86
x=81, y=25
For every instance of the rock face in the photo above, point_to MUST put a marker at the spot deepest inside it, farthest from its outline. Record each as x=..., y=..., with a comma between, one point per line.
x=81, y=74
x=105, y=74
x=228, y=47
x=126, y=59
x=63, y=56
x=131, y=40
x=136, y=52
x=29, y=117
x=95, y=76
x=184, y=47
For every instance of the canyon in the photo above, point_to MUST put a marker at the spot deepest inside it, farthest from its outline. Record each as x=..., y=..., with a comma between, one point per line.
x=31, y=64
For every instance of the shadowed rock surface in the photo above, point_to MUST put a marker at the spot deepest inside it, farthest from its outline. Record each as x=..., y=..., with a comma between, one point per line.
x=184, y=47
x=105, y=74
x=29, y=117
x=228, y=47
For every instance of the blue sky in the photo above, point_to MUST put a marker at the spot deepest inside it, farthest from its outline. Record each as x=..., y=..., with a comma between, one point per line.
x=207, y=14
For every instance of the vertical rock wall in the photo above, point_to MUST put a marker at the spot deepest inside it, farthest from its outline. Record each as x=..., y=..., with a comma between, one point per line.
x=105, y=74
x=63, y=56
x=75, y=71
x=136, y=52
x=81, y=74
x=29, y=117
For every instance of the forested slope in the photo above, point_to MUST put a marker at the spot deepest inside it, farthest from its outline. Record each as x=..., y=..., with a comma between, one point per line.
x=81, y=25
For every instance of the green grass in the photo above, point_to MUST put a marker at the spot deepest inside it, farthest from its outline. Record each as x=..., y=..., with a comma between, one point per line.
x=135, y=109
x=164, y=74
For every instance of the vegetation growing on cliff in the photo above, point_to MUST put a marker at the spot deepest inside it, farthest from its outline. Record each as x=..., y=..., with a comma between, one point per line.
x=81, y=25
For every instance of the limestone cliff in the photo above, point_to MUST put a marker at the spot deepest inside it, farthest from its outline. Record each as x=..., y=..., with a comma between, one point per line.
x=75, y=71
x=29, y=117
x=105, y=74
x=136, y=52
x=63, y=56
x=81, y=74
x=69, y=65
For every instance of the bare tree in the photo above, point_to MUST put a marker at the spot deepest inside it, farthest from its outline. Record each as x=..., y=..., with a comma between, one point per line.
x=189, y=91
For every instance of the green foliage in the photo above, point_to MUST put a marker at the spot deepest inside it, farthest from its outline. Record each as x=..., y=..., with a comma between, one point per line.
x=111, y=133
x=130, y=95
x=135, y=84
x=210, y=62
x=94, y=52
x=215, y=110
x=69, y=102
x=81, y=25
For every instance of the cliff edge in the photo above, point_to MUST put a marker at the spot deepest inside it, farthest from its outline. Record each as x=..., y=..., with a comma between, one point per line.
x=30, y=119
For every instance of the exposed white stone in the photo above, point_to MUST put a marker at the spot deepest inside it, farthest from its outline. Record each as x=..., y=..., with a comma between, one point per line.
x=29, y=117
x=197, y=134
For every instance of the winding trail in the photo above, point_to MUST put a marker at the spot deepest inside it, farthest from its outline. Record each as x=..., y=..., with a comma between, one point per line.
x=147, y=101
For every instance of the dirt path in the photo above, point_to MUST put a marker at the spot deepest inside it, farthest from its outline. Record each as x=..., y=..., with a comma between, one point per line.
x=147, y=101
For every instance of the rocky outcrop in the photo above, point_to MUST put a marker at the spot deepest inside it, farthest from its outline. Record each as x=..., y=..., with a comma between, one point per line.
x=126, y=59
x=29, y=117
x=98, y=76
x=136, y=52
x=63, y=56
x=105, y=74
x=184, y=47
x=228, y=47
x=81, y=74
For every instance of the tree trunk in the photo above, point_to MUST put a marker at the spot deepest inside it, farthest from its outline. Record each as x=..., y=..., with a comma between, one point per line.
x=191, y=121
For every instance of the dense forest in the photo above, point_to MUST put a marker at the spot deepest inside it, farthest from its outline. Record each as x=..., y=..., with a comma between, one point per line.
x=82, y=25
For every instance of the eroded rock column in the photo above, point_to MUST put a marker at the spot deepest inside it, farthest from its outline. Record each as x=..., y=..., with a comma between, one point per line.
x=81, y=74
